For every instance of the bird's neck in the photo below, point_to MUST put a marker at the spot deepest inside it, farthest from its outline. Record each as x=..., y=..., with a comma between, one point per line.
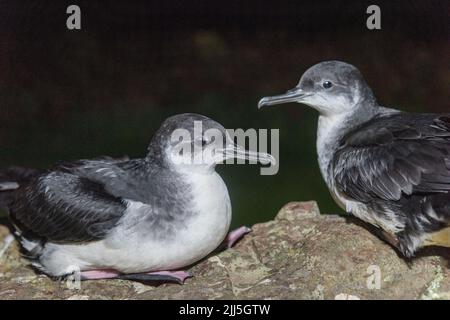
x=329, y=133
x=332, y=128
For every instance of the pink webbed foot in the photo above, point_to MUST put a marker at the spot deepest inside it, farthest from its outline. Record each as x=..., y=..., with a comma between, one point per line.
x=159, y=276
x=99, y=274
x=234, y=236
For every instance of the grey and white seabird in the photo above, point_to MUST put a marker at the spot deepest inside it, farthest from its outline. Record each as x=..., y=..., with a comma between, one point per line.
x=137, y=219
x=387, y=167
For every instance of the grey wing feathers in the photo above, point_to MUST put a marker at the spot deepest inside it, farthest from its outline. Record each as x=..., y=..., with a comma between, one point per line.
x=119, y=178
x=64, y=206
x=395, y=156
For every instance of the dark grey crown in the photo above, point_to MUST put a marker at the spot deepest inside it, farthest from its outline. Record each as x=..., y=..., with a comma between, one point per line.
x=162, y=137
x=343, y=76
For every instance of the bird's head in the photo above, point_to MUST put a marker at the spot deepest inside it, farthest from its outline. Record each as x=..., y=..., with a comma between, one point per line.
x=330, y=87
x=197, y=143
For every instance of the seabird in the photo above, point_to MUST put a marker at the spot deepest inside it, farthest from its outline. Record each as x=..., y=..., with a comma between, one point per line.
x=139, y=219
x=387, y=167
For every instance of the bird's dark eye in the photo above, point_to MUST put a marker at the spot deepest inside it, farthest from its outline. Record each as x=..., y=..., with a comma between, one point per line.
x=327, y=84
x=206, y=141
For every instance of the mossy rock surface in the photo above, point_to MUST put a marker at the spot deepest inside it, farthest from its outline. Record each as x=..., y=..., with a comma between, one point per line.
x=299, y=255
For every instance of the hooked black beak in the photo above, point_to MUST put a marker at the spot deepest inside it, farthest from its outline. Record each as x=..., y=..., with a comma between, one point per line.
x=293, y=95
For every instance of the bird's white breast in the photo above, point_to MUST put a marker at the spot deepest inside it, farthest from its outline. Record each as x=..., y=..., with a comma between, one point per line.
x=327, y=139
x=328, y=135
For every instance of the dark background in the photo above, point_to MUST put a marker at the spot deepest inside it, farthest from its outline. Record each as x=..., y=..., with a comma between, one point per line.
x=106, y=88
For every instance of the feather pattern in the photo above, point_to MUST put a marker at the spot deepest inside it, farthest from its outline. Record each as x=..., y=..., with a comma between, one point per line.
x=398, y=166
x=62, y=205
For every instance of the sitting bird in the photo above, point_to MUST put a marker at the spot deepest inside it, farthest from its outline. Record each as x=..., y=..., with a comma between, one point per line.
x=140, y=219
x=387, y=167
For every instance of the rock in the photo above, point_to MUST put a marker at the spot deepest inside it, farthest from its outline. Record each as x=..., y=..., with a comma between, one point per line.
x=78, y=297
x=291, y=210
x=299, y=255
x=344, y=296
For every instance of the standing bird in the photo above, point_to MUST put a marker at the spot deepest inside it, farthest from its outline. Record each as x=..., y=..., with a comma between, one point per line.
x=387, y=167
x=134, y=219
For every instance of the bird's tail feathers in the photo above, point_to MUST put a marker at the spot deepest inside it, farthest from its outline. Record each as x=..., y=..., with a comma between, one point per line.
x=11, y=179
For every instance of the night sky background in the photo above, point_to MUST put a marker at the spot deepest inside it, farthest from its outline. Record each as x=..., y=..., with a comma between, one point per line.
x=105, y=89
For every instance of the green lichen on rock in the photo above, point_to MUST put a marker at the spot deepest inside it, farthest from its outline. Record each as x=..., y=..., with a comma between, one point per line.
x=301, y=254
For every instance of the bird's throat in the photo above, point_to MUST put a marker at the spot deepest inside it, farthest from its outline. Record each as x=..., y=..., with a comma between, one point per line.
x=330, y=131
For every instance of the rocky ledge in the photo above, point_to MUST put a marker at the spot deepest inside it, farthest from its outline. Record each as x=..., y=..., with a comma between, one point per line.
x=299, y=255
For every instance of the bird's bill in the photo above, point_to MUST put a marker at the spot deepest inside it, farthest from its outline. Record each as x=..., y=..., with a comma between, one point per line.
x=293, y=95
x=237, y=152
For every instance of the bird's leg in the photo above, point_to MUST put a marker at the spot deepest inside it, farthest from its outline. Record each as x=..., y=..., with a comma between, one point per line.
x=161, y=276
x=234, y=236
x=99, y=274
x=440, y=238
